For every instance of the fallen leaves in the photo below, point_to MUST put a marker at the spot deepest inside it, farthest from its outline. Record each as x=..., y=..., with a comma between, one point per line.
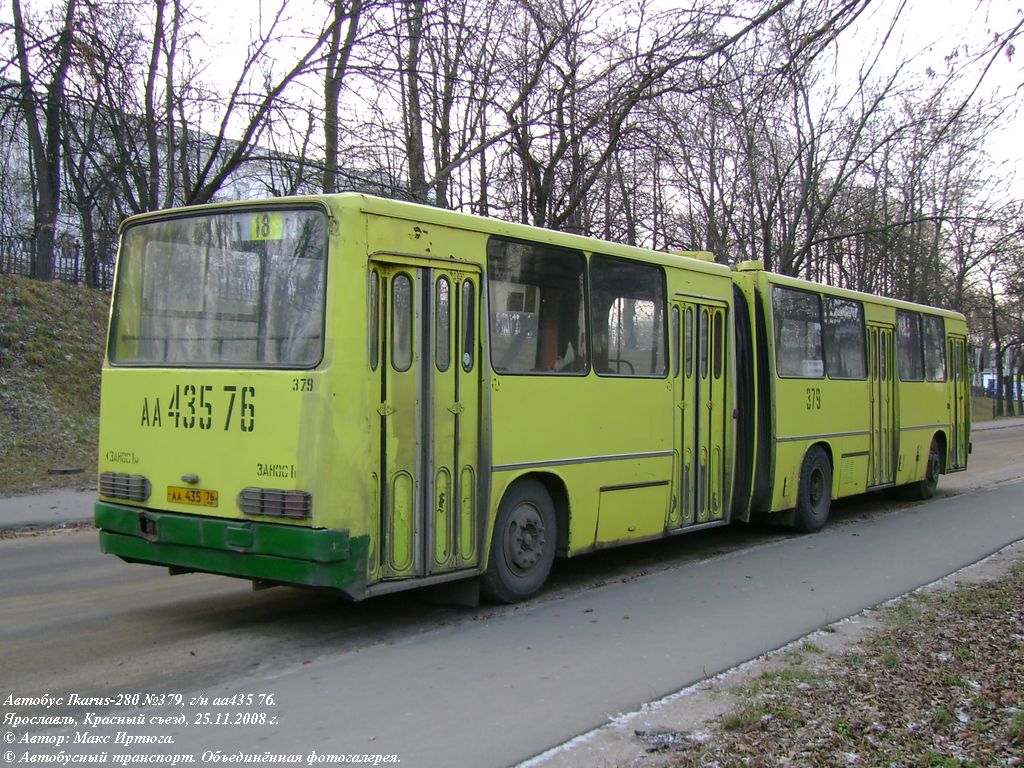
x=940, y=684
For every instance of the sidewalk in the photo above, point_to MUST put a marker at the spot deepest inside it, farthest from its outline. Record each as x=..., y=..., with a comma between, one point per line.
x=49, y=509
x=981, y=426
x=54, y=509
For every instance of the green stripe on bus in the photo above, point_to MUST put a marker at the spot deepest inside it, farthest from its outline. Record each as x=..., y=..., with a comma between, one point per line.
x=242, y=548
x=320, y=545
x=347, y=575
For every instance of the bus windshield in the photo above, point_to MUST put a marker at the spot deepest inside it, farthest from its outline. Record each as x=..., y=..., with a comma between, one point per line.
x=222, y=289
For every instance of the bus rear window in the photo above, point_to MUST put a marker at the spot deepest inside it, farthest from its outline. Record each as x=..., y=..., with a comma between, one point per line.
x=230, y=289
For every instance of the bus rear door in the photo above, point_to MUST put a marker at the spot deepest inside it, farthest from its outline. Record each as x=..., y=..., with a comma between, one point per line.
x=429, y=421
x=701, y=410
x=882, y=375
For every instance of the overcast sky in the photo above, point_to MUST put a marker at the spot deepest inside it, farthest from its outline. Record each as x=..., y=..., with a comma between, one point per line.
x=928, y=31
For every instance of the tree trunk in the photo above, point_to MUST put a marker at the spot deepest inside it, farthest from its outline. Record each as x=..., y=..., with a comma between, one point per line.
x=413, y=107
x=338, y=55
x=44, y=138
x=89, y=246
x=1008, y=393
x=151, y=197
x=997, y=403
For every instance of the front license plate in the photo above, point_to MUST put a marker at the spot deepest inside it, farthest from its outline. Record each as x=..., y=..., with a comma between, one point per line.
x=197, y=497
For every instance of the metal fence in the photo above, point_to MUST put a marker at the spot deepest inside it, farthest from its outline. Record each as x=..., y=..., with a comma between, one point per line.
x=17, y=257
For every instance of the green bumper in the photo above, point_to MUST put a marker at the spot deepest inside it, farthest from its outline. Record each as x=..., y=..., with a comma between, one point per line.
x=314, y=557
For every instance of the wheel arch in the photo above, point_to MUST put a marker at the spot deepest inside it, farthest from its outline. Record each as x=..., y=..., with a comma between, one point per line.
x=558, y=490
x=559, y=493
x=813, y=497
x=521, y=548
x=826, y=446
x=942, y=439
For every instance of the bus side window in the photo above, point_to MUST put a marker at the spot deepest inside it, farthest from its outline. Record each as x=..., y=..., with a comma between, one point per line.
x=373, y=319
x=627, y=302
x=704, y=331
x=688, y=342
x=934, y=348
x=535, y=299
x=909, y=350
x=798, y=345
x=468, y=325
x=401, y=322
x=883, y=359
x=676, y=349
x=442, y=321
x=716, y=348
x=844, y=338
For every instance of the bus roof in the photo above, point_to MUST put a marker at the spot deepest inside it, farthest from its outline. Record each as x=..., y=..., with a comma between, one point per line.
x=416, y=212
x=846, y=293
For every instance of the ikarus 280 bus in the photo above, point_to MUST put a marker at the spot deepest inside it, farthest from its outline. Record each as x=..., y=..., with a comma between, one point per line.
x=369, y=395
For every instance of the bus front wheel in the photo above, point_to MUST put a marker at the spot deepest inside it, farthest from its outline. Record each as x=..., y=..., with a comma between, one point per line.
x=814, y=495
x=523, y=543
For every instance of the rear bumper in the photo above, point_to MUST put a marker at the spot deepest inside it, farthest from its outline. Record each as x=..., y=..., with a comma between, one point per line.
x=313, y=557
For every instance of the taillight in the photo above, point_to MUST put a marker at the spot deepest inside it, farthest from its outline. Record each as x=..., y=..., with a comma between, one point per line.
x=118, y=485
x=297, y=505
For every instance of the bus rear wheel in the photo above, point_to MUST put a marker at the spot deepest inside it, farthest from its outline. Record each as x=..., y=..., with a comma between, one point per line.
x=523, y=543
x=814, y=494
x=924, y=489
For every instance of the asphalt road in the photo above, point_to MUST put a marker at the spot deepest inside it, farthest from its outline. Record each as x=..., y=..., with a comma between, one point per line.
x=493, y=686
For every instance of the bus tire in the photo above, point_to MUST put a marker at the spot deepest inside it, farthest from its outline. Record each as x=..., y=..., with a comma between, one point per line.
x=924, y=489
x=814, y=494
x=522, y=545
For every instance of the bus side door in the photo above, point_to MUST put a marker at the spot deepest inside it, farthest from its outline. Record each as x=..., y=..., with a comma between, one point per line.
x=882, y=377
x=958, y=403
x=429, y=421
x=453, y=424
x=701, y=411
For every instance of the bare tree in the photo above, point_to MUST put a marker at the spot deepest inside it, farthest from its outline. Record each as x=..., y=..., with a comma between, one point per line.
x=592, y=106
x=177, y=141
x=446, y=70
x=42, y=62
x=343, y=35
x=1002, y=242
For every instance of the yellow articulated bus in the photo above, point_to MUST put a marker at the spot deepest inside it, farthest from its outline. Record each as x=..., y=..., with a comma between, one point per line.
x=853, y=393
x=370, y=395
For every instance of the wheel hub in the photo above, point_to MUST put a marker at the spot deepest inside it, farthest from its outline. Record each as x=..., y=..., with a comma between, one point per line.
x=817, y=486
x=526, y=537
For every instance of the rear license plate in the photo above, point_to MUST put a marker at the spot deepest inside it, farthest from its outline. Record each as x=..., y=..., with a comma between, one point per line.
x=197, y=497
